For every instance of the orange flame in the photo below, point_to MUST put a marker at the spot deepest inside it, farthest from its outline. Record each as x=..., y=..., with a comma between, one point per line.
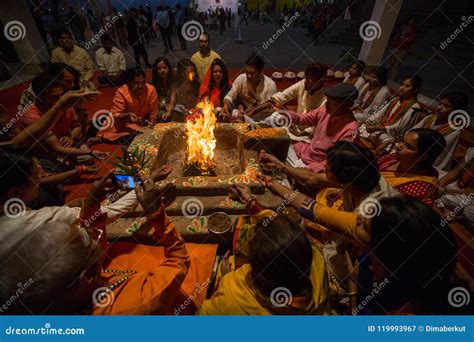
x=191, y=76
x=200, y=137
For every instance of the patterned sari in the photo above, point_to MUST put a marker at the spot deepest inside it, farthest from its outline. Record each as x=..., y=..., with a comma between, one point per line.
x=423, y=188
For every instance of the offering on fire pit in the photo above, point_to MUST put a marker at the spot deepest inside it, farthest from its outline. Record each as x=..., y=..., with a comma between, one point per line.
x=219, y=223
x=264, y=133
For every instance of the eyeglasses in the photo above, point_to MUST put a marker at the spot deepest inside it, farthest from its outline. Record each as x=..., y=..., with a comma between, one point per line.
x=94, y=236
x=94, y=233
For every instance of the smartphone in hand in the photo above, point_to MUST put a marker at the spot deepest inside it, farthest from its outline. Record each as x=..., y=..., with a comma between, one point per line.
x=125, y=182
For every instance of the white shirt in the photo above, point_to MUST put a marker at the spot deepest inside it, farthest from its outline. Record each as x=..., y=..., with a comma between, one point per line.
x=112, y=63
x=359, y=83
x=399, y=128
x=13, y=230
x=381, y=98
x=265, y=89
x=306, y=101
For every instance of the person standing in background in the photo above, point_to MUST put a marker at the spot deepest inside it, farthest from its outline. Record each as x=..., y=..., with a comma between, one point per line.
x=401, y=45
x=135, y=38
x=222, y=18
x=163, y=20
x=119, y=27
x=238, y=26
x=180, y=20
x=229, y=17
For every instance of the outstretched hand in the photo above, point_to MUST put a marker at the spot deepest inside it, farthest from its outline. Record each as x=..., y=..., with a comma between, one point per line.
x=159, y=174
x=153, y=197
x=100, y=189
x=73, y=97
x=241, y=192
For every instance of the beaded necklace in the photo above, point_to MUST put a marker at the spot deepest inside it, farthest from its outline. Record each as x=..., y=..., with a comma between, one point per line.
x=126, y=274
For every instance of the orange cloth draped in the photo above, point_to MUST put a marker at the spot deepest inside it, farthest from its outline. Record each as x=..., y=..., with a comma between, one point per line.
x=168, y=278
x=142, y=258
x=213, y=94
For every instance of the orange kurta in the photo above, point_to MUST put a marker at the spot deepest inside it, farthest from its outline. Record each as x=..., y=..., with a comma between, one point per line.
x=144, y=106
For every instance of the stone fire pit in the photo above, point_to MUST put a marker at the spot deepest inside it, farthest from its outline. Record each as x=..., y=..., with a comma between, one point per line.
x=199, y=195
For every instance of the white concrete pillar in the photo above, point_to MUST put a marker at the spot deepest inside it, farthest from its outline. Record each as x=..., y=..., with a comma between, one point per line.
x=377, y=31
x=20, y=28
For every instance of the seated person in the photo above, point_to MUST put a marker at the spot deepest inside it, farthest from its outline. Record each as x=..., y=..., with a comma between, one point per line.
x=351, y=168
x=373, y=95
x=23, y=180
x=283, y=263
x=351, y=180
x=309, y=94
x=73, y=55
x=332, y=122
x=420, y=286
x=215, y=84
x=187, y=89
x=32, y=135
x=457, y=189
x=250, y=89
x=51, y=191
x=61, y=139
x=410, y=169
x=400, y=115
x=135, y=104
x=439, y=120
x=163, y=81
x=154, y=283
x=138, y=286
x=354, y=75
x=69, y=77
x=204, y=57
x=111, y=62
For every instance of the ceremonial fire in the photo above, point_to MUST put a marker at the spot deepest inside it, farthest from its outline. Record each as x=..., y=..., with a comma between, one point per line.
x=201, y=142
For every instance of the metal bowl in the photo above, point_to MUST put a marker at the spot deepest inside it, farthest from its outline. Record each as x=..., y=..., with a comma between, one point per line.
x=219, y=217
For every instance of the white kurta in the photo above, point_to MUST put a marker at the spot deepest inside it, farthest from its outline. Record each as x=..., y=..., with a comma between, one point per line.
x=265, y=89
x=358, y=84
x=112, y=63
x=13, y=230
x=397, y=130
x=306, y=101
x=380, y=99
